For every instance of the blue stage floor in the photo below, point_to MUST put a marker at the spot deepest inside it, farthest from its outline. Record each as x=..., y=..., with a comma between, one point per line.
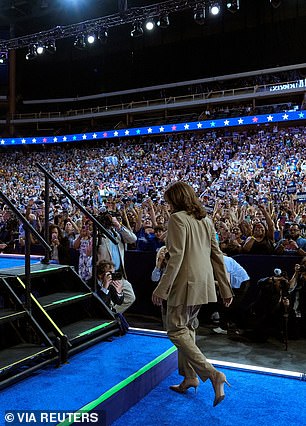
x=86, y=377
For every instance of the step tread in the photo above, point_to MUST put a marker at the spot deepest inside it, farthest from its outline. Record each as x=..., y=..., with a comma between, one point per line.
x=11, y=313
x=20, y=353
x=76, y=329
x=62, y=297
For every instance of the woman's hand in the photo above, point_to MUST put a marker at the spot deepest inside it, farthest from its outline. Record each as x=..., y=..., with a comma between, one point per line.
x=227, y=301
x=158, y=301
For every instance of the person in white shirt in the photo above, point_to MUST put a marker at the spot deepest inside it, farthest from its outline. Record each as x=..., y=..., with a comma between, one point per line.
x=239, y=279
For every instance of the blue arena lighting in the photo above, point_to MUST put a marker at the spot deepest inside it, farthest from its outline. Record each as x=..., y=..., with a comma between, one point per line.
x=222, y=123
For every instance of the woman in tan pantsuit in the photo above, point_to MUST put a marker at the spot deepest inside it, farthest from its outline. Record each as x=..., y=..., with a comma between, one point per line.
x=195, y=264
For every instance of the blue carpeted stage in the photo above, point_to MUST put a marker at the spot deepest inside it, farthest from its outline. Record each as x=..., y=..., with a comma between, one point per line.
x=109, y=378
x=126, y=382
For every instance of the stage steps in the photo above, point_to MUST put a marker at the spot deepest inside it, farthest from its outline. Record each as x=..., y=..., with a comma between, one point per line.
x=107, y=378
x=67, y=313
x=24, y=346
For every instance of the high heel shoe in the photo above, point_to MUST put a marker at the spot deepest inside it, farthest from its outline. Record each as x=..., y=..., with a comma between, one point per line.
x=218, y=380
x=186, y=384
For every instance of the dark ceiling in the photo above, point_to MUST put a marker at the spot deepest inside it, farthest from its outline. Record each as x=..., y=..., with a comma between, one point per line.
x=257, y=36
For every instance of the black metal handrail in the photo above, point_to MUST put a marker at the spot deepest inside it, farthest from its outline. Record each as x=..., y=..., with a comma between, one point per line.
x=29, y=229
x=96, y=224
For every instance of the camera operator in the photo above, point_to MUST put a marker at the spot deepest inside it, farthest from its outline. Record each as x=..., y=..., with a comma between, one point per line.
x=110, y=287
x=114, y=253
x=271, y=303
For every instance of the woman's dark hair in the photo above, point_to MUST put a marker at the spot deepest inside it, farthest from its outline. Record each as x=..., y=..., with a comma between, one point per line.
x=259, y=223
x=52, y=226
x=182, y=197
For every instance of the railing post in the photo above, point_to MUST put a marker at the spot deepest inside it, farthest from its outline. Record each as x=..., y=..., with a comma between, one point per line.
x=47, y=212
x=27, y=269
x=94, y=255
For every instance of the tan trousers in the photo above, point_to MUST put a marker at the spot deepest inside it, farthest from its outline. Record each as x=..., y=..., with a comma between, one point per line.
x=181, y=324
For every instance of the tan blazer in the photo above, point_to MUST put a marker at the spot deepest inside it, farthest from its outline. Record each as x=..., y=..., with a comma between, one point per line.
x=123, y=236
x=195, y=263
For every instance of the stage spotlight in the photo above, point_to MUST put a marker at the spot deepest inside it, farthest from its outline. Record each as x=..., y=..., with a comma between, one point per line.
x=79, y=42
x=103, y=35
x=163, y=21
x=137, y=30
x=215, y=8
x=199, y=14
x=3, y=58
x=40, y=48
x=233, y=5
x=275, y=3
x=91, y=38
x=149, y=24
x=32, y=52
x=50, y=46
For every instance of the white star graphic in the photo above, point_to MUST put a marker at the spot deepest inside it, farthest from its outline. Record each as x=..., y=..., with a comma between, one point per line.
x=240, y=121
x=84, y=136
x=54, y=139
x=161, y=129
x=186, y=127
x=94, y=136
x=64, y=138
x=199, y=125
x=23, y=140
x=127, y=132
x=285, y=117
x=270, y=117
x=34, y=140
x=2, y=142
x=301, y=115
x=212, y=124
x=116, y=133
x=149, y=130
x=226, y=123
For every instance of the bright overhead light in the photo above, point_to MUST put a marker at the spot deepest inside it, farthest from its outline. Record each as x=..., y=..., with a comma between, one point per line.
x=40, y=49
x=215, y=8
x=150, y=24
x=91, y=38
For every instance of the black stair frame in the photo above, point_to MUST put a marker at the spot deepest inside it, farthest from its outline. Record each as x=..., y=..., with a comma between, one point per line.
x=62, y=346
x=12, y=371
x=66, y=345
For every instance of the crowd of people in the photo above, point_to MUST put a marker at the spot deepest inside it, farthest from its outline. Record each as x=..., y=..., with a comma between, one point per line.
x=252, y=184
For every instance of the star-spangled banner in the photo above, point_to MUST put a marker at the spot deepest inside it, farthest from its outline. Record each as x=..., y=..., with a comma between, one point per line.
x=161, y=129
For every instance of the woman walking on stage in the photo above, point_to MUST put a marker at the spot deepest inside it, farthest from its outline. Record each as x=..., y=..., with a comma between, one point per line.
x=188, y=282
